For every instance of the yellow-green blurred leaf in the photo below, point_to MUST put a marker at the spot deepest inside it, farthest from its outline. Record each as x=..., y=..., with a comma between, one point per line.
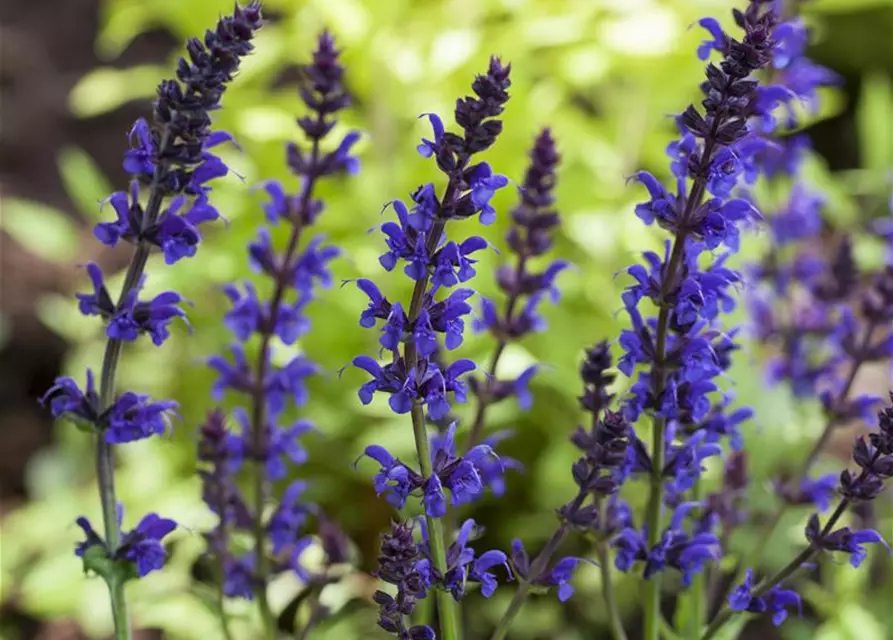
x=875, y=122
x=105, y=89
x=59, y=313
x=85, y=184
x=848, y=6
x=852, y=622
x=122, y=22
x=41, y=229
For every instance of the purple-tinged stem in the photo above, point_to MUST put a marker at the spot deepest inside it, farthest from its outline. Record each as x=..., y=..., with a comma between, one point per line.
x=831, y=423
x=485, y=396
x=536, y=567
x=259, y=405
x=105, y=462
x=803, y=557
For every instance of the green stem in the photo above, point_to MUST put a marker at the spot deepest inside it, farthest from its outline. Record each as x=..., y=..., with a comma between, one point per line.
x=604, y=559
x=667, y=632
x=221, y=598
x=317, y=613
x=446, y=606
x=655, y=498
x=424, y=612
x=259, y=417
x=119, y=609
x=697, y=592
x=514, y=607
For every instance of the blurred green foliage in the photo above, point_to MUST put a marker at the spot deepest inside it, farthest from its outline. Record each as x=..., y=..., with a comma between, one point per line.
x=605, y=75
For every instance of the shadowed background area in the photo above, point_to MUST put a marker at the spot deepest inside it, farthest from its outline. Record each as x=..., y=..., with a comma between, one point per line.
x=605, y=75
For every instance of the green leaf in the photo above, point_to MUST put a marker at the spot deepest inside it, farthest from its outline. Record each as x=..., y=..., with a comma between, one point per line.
x=848, y=6
x=59, y=314
x=41, y=229
x=857, y=623
x=105, y=89
x=874, y=122
x=667, y=632
x=732, y=629
x=852, y=622
x=122, y=22
x=84, y=183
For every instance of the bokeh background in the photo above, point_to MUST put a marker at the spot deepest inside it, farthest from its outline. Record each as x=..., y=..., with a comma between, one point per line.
x=605, y=75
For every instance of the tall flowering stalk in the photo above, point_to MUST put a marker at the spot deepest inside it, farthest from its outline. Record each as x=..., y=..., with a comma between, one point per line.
x=683, y=350
x=294, y=273
x=594, y=510
x=529, y=237
x=801, y=302
x=604, y=443
x=171, y=165
x=874, y=458
x=415, y=378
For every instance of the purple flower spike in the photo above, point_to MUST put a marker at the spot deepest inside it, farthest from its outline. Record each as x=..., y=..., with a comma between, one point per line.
x=170, y=166
x=534, y=221
x=267, y=315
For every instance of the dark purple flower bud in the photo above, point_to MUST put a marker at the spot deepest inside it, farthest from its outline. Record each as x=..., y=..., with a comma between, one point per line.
x=882, y=439
x=842, y=274
x=735, y=475
x=860, y=488
x=334, y=541
x=520, y=560
x=877, y=300
x=398, y=565
x=174, y=145
x=474, y=115
x=597, y=377
x=844, y=540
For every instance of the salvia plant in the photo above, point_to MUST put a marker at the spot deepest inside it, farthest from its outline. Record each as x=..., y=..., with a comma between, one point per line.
x=819, y=313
